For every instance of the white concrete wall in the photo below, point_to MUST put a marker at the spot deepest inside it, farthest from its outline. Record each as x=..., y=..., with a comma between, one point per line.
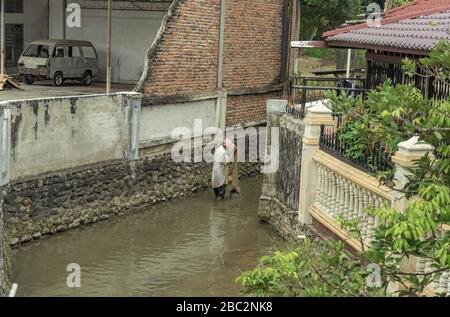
x=56, y=18
x=158, y=122
x=133, y=33
x=35, y=14
x=54, y=134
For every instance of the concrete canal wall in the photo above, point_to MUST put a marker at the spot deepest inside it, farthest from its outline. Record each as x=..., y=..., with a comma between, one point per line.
x=64, y=200
x=3, y=252
x=54, y=134
x=66, y=162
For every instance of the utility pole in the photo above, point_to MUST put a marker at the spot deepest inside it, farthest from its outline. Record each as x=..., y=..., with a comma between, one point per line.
x=64, y=29
x=349, y=63
x=2, y=60
x=109, y=54
x=294, y=36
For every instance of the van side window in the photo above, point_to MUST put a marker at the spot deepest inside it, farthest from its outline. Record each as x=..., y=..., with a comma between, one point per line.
x=59, y=51
x=74, y=51
x=36, y=51
x=89, y=52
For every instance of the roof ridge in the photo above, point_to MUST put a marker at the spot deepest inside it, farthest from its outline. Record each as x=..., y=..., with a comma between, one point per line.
x=389, y=20
x=407, y=5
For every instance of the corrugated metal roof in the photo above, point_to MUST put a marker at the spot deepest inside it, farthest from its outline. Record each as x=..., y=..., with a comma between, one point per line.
x=416, y=26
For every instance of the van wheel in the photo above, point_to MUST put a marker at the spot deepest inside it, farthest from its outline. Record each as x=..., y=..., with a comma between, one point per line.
x=58, y=79
x=29, y=80
x=87, y=78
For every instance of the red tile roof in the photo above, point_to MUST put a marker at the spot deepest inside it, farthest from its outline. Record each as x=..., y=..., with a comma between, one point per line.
x=408, y=11
x=415, y=26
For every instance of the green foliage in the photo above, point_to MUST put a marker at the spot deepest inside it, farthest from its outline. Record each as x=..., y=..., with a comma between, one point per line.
x=319, y=16
x=312, y=269
x=397, y=3
x=437, y=64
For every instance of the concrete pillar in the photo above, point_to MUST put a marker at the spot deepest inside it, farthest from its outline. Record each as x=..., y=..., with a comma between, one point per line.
x=275, y=108
x=408, y=152
x=5, y=146
x=132, y=125
x=316, y=116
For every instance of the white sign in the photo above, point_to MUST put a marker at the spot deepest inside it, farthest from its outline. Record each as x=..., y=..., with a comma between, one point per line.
x=74, y=15
x=305, y=44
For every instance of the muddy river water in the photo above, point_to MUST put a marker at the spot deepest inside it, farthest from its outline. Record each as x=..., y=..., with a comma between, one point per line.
x=192, y=247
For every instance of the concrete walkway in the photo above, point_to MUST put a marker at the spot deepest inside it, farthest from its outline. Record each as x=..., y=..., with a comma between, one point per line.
x=45, y=89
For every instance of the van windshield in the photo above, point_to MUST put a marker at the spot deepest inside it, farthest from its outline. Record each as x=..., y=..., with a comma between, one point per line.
x=35, y=50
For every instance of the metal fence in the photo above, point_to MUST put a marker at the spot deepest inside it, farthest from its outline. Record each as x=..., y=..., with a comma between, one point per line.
x=305, y=90
x=309, y=89
x=377, y=158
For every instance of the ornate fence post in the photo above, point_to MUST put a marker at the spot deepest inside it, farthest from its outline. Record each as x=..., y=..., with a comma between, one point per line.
x=316, y=116
x=408, y=152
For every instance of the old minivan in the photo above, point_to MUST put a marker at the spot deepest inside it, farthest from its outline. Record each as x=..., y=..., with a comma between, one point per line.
x=58, y=60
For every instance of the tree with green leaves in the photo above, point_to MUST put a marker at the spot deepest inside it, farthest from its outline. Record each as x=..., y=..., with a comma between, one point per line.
x=319, y=16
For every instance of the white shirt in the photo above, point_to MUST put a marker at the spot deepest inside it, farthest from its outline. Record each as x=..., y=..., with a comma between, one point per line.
x=218, y=173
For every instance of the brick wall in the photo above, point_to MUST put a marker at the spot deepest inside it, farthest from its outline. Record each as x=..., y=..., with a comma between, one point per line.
x=246, y=108
x=252, y=57
x=253, y=34
x=184, y=60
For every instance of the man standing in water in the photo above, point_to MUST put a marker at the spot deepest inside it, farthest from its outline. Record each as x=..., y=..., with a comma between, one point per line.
x=219, y=179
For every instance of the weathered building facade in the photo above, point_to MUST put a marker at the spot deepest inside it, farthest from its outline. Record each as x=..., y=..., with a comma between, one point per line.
x=25, y=21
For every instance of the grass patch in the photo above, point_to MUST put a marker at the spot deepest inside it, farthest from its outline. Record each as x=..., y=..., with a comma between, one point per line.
x=323, y=53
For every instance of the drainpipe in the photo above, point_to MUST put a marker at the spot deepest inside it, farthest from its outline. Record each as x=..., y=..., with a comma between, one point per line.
x=220, y=117
x=2, y=39
x=109, y=57
x=13, y=291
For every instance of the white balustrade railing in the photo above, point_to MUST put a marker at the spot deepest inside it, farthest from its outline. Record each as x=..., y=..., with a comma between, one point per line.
x=339, y=196
x=440, y=283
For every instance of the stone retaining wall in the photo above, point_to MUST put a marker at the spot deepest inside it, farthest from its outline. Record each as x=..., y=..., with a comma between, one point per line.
x=60, y=201
x=283, y=219
x=279, y=203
